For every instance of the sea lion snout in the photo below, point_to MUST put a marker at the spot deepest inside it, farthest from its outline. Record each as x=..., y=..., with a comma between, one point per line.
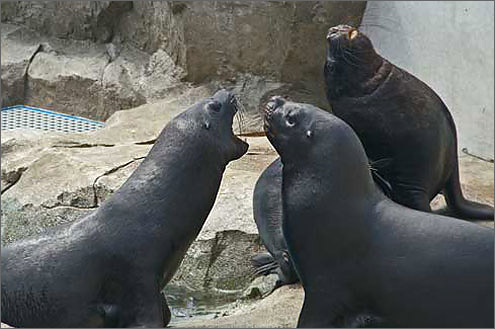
x=346, y=31
x=223, y=96
x=226, y=98
x=274, y=103
x=271, y=106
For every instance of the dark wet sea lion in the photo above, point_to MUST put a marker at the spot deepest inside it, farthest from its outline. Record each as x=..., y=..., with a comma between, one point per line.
x=363, y=259
x=399, y=119
x=108, y=268
x=267, y=213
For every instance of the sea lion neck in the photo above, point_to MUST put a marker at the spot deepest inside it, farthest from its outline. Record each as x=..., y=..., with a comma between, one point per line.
x=354, y=74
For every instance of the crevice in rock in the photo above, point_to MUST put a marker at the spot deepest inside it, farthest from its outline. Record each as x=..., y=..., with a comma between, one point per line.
x=150, y=142
x=61, y=206
x=109, y=61
x=466, y=151
x=11, y=178
x=108, y=172
x=83, y=145
x=252, y=134
x=25, y=76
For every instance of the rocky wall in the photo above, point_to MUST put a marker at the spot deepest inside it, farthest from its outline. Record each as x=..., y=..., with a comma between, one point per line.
x=93, y=58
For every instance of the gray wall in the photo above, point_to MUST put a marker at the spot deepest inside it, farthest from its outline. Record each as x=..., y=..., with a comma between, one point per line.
x=450, y=46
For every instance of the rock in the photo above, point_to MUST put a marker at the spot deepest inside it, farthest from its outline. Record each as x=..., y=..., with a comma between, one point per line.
x=16, y=58
x=60, y=80
x=260, y=287
x=79, y=20
x=83, y=78
x=219, y=266
x=20, y=220
x=279, y=310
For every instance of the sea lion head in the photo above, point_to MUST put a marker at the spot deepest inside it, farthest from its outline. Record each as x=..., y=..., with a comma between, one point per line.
x=348, y=43
x=209, y=123
x=218, y=114
x=305, y=134
x=292, y=128
x=352, y=66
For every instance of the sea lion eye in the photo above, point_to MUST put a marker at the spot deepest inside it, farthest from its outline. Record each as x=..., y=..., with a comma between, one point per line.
x=291, y=121
x=213, y=106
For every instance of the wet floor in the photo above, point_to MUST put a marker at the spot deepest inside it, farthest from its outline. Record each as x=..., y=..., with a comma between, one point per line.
x=186, y=304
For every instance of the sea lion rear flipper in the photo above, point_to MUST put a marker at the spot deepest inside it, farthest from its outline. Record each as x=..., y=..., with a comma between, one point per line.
x=461, y=207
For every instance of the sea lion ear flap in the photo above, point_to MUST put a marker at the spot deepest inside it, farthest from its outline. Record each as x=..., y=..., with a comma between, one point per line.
x=353, y=33
x=309, y=134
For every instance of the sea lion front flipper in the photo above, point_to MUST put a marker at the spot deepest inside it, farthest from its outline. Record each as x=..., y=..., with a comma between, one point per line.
x=146, y=305
x=411, y=196
x=318, y=313
x=264, y=264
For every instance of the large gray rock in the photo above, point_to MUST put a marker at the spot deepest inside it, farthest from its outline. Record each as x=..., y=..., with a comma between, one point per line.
x=81, y=77
x=16, y=57
x=77, y=20
x=88, y=79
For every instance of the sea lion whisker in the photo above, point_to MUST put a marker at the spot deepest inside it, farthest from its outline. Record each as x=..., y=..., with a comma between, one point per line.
x=342, y=53
x=383, y=161
x=239, y=113
x=352, y=54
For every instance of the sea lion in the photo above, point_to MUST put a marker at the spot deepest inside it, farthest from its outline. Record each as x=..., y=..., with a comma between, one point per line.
x=267, y=213
x=363, y=259
x=400, y=120
x=107, y=269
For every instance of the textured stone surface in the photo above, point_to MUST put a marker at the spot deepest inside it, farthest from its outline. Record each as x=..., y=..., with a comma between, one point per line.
x=16, y=57
x=77, y=20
